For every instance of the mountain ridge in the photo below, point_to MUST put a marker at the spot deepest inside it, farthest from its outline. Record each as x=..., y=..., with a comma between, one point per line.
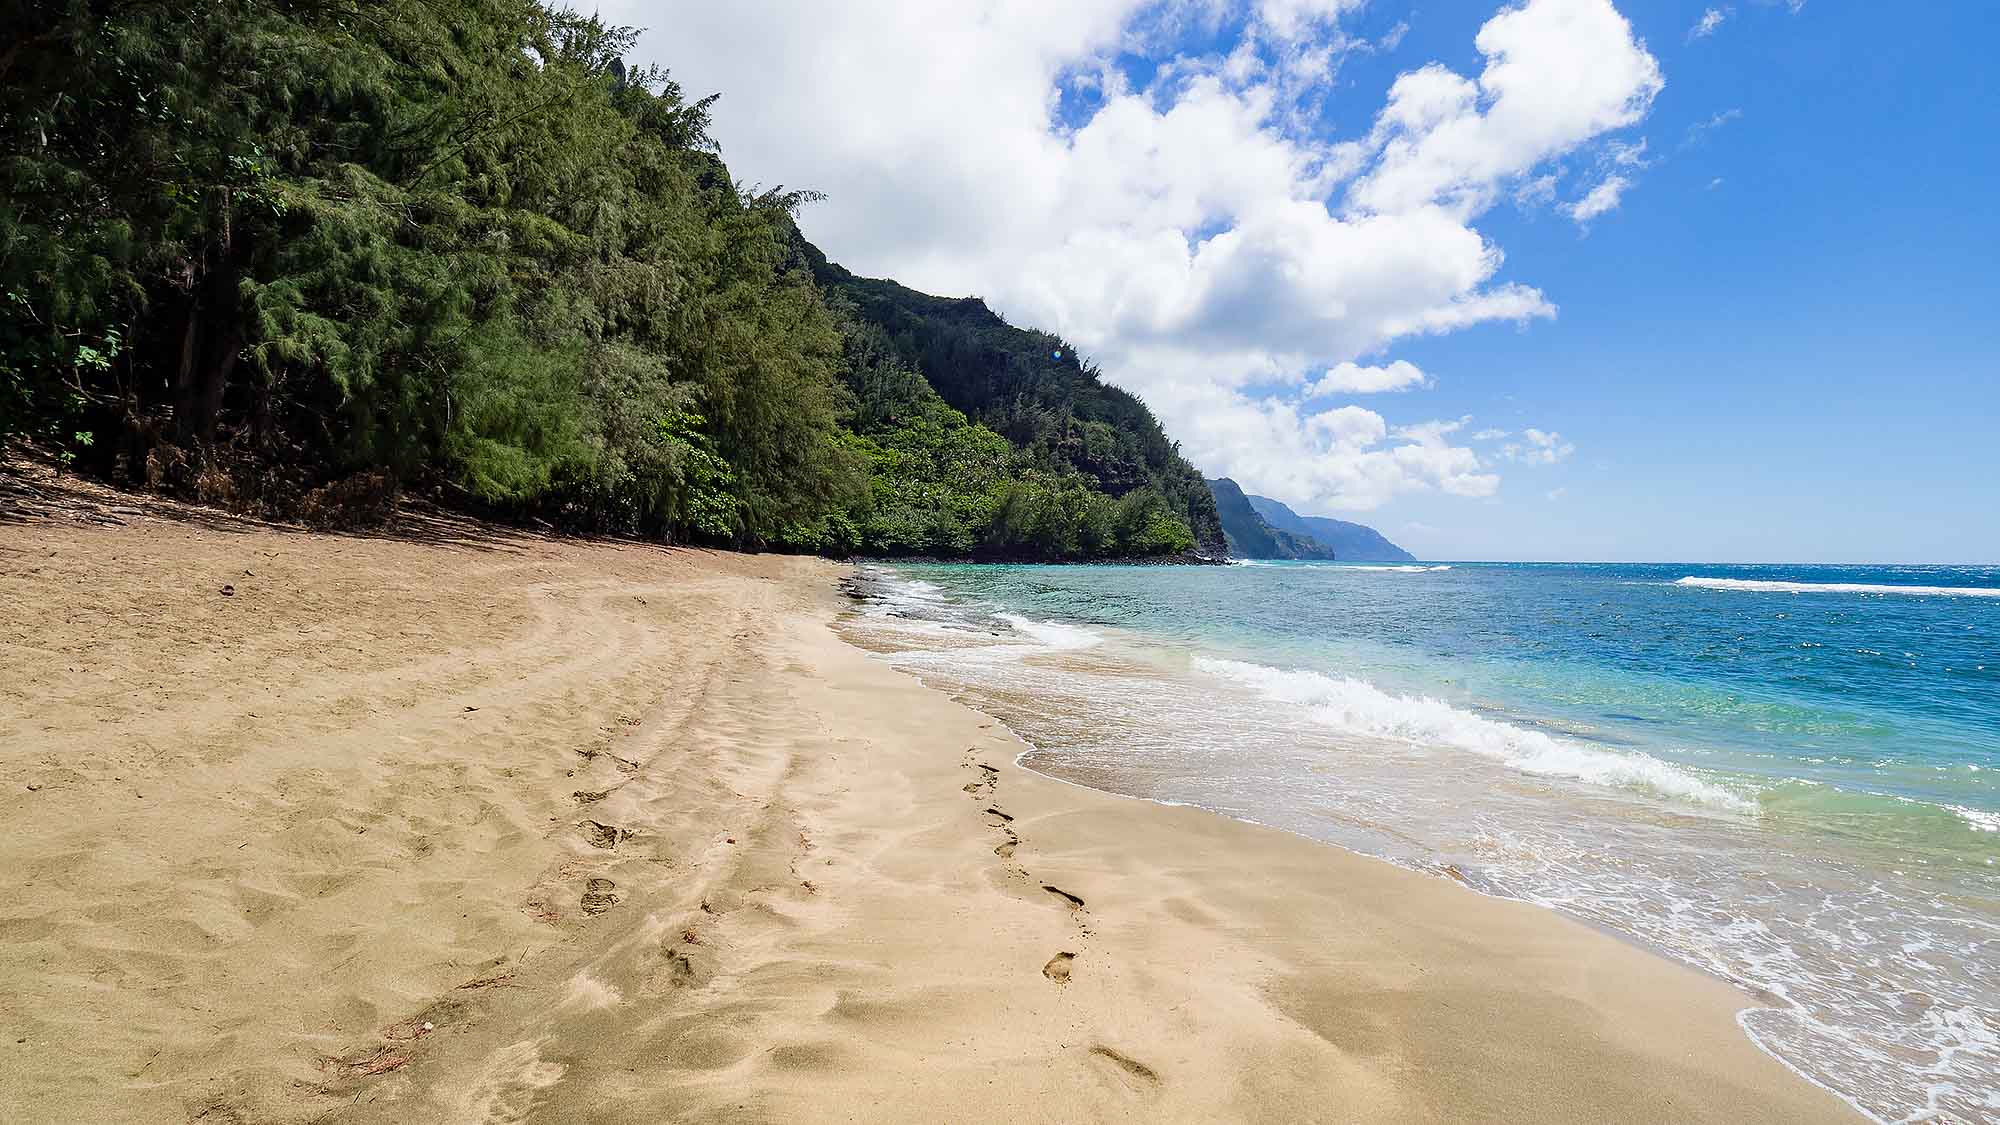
x=1250, y=536
x=1350, y=542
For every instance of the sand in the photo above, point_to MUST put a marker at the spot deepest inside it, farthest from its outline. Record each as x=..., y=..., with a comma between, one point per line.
x=475, y=826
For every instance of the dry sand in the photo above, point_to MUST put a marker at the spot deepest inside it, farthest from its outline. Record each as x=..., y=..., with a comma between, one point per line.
x=479, y=827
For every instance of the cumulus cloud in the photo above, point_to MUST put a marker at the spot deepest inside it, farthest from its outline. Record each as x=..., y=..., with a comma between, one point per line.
x=1558, y=73
x=1352, y=378
x=1191, y=224
x=1279, y=449
x=1538, y=447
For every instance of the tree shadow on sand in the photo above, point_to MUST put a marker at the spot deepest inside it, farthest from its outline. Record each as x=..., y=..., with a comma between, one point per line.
x=34, y=491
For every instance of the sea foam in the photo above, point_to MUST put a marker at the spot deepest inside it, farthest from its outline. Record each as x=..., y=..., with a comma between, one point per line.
x=1981, y=820
x=1359, y=707
x=1054, y=634
x=1758, y=585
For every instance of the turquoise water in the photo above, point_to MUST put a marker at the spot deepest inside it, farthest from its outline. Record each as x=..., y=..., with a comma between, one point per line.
x=1788, y=776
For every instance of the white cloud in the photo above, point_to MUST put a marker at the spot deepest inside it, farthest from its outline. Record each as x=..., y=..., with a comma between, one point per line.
x=1556, y=493
x=1349, y=457
x=1709, y=21
x=1624, y=154
x=1290, y=19
x=1538, y=447
x=1200, y=237
x=1489, y=435
x=1602, y=199
x=1618, y=161
x=1558, y=73
x=1537, y=191
x=1348, y=377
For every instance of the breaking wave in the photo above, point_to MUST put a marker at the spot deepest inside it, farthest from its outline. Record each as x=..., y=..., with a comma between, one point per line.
x=1362, y=708
x=1762, y=586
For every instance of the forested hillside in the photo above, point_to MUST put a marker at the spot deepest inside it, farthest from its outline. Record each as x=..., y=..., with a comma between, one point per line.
x=296, y=258
x=1030, y=387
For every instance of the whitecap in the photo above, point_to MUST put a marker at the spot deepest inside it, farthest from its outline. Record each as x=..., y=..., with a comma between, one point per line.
x=1981, y=820
x=1055, y=634
x=1758, y=585
x=1362, y=708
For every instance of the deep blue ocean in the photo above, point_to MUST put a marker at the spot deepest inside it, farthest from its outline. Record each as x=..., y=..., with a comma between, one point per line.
x=1786, y=775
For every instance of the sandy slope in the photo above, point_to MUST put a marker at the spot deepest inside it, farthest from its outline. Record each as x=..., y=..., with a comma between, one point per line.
x=495, y=828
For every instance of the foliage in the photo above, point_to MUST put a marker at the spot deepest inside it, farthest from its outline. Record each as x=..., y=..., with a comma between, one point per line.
x=1031, y=388
x=456, y=245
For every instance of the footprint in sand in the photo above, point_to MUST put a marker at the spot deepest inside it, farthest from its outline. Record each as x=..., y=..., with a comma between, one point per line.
x=599, y=896
x=600, y=835
x=1074, y=902
x=1058, y=967
x=1137, y=1076
x=680, y=969
x=982, y=785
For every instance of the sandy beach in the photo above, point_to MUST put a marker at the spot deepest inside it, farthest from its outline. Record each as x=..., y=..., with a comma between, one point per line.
x=468, y=825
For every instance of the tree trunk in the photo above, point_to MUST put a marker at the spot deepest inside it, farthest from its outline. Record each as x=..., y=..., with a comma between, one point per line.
x=184, y=374
x=210, y=343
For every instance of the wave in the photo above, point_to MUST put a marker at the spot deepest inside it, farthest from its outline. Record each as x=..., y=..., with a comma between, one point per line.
x=1767, y=587
x=1981, y=820
x=1054, y=634
x=1362, y=708
x=1397, y=569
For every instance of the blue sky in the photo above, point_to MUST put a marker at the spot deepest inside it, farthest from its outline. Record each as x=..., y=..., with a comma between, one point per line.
x=1649, y=293
x=1798, y=363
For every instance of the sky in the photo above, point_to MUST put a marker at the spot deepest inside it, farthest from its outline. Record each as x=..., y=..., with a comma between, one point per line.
x=1548, y=279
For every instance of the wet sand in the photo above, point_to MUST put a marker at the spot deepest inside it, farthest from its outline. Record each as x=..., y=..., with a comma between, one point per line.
x=477, y=826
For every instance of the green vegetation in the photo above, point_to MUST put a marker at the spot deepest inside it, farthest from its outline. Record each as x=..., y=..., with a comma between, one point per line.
x=1081, y=442
x=290, y=256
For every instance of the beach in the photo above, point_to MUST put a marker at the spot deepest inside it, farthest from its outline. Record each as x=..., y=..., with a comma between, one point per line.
x=466, y=824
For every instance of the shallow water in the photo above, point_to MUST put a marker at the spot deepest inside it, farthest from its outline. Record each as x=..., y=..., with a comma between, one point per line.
x=1788, y=776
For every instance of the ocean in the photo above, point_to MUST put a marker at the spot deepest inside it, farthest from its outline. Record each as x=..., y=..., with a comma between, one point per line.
x=1788, y=776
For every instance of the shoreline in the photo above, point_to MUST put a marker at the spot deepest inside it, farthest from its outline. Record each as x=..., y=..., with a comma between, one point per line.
x=493, y=825
x=1752, y=995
